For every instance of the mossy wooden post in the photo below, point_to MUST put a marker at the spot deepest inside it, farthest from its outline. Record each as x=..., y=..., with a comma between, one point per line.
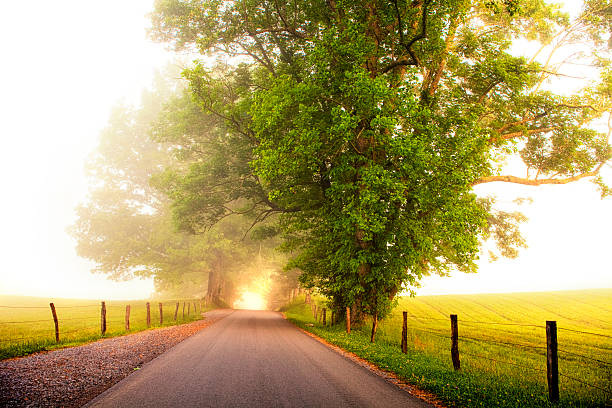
x=161, y=314
x=405, y=333
x=103, y=319
x=127, y=318
x=552, y=361
x=348, y=320
x=176, y=310
x=148, y=314
x=55, y=321
x=324, y=316
x=331, y=318
x=183, y=310
x=455, y=342
x=315, y=313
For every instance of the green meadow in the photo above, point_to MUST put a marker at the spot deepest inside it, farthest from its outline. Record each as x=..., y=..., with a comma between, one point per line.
x=502, y=346
x=27, y=326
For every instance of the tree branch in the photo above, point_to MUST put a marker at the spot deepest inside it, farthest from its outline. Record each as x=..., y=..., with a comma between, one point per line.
x=512, y=135
x=408, y=47
x=532, y=182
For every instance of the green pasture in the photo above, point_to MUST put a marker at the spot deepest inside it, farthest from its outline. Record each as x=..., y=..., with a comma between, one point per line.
x=502, y=346
x=26, y=323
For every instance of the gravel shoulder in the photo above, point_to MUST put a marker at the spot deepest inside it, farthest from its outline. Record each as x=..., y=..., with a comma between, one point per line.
x=71, y=377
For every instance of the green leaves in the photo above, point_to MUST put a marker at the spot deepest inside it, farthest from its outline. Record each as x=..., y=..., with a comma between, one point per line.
x=364, y=126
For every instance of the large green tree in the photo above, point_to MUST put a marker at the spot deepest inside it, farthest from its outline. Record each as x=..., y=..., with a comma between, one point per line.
x=367, y=125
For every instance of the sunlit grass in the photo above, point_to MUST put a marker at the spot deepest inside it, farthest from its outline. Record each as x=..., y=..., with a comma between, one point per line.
x=26, y=323
x=502, y=346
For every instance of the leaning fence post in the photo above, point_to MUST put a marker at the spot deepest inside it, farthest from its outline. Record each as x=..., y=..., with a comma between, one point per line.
x=161, y=314
x=176, y=311
x=103, y=319
x=552, y=361
x=148, y=314
x=55, y=321
x=127, y=318
x=348, y=320
x=455, y=342
x=405, y=332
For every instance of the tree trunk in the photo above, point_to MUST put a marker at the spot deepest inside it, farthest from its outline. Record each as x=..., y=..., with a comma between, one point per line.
x=374, y=327
x=357, y=315
x=211, y=286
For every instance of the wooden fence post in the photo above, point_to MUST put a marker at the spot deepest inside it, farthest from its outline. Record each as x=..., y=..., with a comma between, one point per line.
x=405, y=333
x=183, y=310
x=348, y=320
x=455, y=342
x=176, y=311
x=148, y=314
x=188, y=308
x=331, y=318
x=103, y=319
x=552, y=361
x=127, y=318
x=324, y=316
x=161, y=314
x=315, y=313
x=55, y=321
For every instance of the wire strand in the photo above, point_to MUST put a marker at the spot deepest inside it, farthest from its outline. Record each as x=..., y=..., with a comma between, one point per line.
x=503, y=362
x=585, y=383
x=584, y=332
x=583, y=356
x=503, y=343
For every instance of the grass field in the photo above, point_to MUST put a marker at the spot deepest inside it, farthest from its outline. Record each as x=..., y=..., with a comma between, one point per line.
x=26, y=323
x=502, y=345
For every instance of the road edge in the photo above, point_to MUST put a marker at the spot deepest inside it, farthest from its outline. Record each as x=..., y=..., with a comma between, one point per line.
x=388, y=376
x=87, y=399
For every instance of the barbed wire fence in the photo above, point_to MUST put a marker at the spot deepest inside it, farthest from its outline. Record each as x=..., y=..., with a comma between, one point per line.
x=97, y=320
x=549, y=351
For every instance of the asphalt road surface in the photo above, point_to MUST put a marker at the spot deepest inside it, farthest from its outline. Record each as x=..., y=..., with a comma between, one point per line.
x=253, y=359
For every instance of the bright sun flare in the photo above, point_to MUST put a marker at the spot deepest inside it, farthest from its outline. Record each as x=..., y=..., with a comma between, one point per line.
x=251, y=301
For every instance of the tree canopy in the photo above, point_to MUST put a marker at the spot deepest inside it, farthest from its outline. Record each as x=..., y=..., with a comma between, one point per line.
x=363, y=127
x=126, y=226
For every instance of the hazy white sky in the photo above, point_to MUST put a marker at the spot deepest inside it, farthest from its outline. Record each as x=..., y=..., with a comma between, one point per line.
x=65, y=63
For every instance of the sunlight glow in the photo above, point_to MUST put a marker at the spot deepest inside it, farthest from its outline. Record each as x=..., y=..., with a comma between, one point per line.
x=251, y=301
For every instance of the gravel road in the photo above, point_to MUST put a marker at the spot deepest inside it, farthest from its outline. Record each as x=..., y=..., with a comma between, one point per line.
x=254, y=359
x=71, y=377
